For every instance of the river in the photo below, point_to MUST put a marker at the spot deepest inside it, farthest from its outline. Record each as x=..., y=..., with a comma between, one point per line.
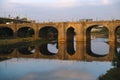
x=55, y=69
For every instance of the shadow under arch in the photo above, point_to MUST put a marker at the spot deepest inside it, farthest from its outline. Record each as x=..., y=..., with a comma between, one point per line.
x=48, y=33
x=6, y=32
x=101, y=30
x=117, y=39
x=25, y=32
x=70, y=41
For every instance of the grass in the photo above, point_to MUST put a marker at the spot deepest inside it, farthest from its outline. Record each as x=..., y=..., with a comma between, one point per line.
x=16, y=43
x=16, y=40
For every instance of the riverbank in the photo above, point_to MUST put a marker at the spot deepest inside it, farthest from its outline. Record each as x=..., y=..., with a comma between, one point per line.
x=16, y=43
x=15, y=40
x=112, y=74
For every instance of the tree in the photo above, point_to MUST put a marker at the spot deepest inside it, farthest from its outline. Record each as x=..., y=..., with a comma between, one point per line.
x=17, y=17
x=116, y=60
x=114, y=73
x=24, y=19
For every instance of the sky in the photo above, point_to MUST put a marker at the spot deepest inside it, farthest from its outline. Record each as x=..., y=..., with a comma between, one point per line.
x=61, y=10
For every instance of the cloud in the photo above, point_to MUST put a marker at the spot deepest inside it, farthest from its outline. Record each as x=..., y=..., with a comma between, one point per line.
x=60, y=74
x=66, y=3
x=8, y=5
x=94, y=2
x=106, y=2
x=46, y=3
x=61, y=3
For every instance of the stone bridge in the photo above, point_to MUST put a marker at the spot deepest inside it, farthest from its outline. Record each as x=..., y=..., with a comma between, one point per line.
x=81, y=30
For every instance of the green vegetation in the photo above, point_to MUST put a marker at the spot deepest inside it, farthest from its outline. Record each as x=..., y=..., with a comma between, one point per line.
x=15, y=40
x=100, y=30
x=8, y=48
x=20, y=41
x=114, y=73
x=116, y=60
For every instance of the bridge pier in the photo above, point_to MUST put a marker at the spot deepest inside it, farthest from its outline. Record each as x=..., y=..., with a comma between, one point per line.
x=112, y=42
x=61, y=32
x=79, y=29
x=14, y=28
x=36, y=34
x=61, y=51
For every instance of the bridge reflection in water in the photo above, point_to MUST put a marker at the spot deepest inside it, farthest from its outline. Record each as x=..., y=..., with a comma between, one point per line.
x=59, y=51
x=64, y=33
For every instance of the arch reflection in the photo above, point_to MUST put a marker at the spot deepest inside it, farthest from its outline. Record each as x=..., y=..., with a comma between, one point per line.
x=44, y=48
x=26, y=50
x=4, y=49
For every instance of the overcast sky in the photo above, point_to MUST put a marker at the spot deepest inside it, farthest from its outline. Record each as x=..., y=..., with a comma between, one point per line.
x=61, y=10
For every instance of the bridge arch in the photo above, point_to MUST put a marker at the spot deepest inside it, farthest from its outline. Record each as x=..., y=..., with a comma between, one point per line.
x=117, y=29
x=117, y=38
x=70, y=35
x=48, y=32
x=94, y=30
x=6, y=32
x=25, y=32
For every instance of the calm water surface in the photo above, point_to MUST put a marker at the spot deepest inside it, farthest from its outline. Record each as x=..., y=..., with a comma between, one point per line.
x=45, y=69
x=39, y=69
